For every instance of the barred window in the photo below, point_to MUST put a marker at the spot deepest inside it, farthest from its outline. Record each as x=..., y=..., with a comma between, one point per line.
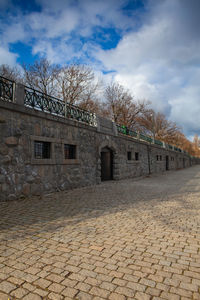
x=129, y=155
x=42, y=150
x=70, y=151
x=136, y=155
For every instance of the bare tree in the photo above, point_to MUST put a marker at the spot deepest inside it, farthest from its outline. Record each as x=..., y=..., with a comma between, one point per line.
x=12, y=73
x=77, y=85
x=157, y=126
x=42, y=75
x=121, y=107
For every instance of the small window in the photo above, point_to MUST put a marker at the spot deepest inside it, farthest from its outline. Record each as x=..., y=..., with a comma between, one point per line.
x=157, y=157
x=70, y=151
x=160, y=157
x=136, y=156
x=129, y=155
x=42, y=150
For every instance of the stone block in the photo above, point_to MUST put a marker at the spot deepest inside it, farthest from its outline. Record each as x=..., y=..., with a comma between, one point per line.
x=12, y=197
x=5, y=160
x=11, y=141
x=3, y=149
x=26, y=189
x=30, y=179
x=2, y=178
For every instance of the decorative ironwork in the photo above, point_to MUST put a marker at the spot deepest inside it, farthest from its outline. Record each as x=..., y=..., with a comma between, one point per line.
x=40, y=101
x=52, y=105
x=168, y=146
x=6, y=89
x=146, y=138
x=157, y=142
x=123, y=129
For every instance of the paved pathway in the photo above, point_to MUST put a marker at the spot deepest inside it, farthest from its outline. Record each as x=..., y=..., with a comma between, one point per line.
x=133, y=239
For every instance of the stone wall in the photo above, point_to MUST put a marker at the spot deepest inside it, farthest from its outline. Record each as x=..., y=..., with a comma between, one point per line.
x=23, y=175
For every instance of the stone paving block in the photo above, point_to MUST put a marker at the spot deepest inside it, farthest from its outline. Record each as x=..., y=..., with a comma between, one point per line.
x=105, y=246
x=170, y=296
x=56, y=288
x=69, y=292
x=42, y=283
x=7, y=287
x=181, y=292
x=108, y=286
x=83, y=286
x=29, y=287
x=32, y=296
x=54, y=296
x=16, y=281
x=55, y=278
x=93, y=281
x=125, y=291
x=99, y=292
x=115, y=296
x=189, y=286
x=77, y=277
x=40, y=292
x=119, y=282
x=3, y=296
x=116, y=274
x=83, y=296
x=153, y=291
x=142, y=296
x=19, y=292
x=196, y=296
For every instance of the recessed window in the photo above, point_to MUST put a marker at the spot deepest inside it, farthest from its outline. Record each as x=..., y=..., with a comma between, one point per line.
x=129, y=155
x=160, y=157
x=42, y=150
x=70, y=151
x=136, y=155
x=157, y=157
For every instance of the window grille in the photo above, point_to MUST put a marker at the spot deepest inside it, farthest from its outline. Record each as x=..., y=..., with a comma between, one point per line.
x=42, y=150
x=69, y=151
x=136, y=156
x=129, y=155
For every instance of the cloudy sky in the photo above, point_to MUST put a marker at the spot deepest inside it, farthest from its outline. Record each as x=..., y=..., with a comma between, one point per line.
x=150, y=46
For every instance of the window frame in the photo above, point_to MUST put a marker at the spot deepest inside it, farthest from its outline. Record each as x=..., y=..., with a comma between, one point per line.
x=129, y=155
x=137, y=156
x=70, y=161
x=43, y=161
x=72, y=151
x=45, y=148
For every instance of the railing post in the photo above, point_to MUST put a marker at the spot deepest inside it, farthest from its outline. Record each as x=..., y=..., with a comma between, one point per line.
x=19, y=94
x=98, y=124
x=13, y=91
x=115, y=131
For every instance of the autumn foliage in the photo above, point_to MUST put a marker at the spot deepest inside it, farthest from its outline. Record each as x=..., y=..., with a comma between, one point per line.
x=78, y=85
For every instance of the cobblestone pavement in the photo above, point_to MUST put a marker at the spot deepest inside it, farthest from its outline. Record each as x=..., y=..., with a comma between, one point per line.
x=129, y=239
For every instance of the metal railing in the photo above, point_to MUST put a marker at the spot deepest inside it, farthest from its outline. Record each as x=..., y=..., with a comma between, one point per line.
x=43, y=102
x=7, y=88
x=49, y=104
x=140, y=136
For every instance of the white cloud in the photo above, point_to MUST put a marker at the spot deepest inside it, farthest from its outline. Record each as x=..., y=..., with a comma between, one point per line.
x=6, y=57
x=161, y=61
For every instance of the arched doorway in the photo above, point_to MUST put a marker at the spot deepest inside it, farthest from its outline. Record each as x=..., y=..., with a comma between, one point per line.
x=106, y=164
